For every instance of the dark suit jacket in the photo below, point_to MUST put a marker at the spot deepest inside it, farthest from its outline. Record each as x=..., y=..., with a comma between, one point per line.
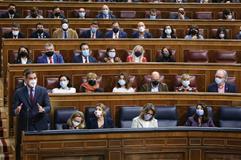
x=60, y=16
x=147, y=87
x=175, y=16
x=10, y=35
x=146, y=35
x=6, y=15
x=101, y=15
x=78, y=59
x=29, y=117
x=91, y=123
x=87, y=34
x=58, y=58
x=122, y=34
x=35, y=35
x=229, y=88
x=18, y=61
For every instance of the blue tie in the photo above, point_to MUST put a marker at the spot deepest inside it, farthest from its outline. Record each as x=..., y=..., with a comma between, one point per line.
x=65, y=35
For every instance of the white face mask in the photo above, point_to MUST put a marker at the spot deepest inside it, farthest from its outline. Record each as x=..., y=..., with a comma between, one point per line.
x=147, y=117
x=64, y=84
x=33, y=83
x=65, y=26
x=168, y=31
x=219, y=80
x=141, y=29
x=15, y=33
x=221, y=35
x=98, y=113
x=75, y=123
x=82, y=14
x=186, y=83
x=122, y=82
x=105, y=11
x=112, y=54
x=200, y=112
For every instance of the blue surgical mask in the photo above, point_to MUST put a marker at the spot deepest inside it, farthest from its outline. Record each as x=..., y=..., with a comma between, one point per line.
x=152, y=17
x=82, y=14
x=200, y=112
x=147, y=117
x=219, y=80
x=122, y=82
x=86, y=53
x=93, y=30
x=186, y=83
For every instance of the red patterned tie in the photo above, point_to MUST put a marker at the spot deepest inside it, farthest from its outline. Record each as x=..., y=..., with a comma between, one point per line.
x=51, y=60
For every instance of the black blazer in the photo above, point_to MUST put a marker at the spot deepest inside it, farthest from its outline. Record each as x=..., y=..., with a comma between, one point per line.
x=10, y=35
x=29, y=117
x=35, y=35
x=87, y=34
x=6, y=15
x=91, y=123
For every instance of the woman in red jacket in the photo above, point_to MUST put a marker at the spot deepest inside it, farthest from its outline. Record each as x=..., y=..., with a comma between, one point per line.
x=137, y=55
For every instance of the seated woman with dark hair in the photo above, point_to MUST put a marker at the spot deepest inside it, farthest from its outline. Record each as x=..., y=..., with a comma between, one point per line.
x=76, y=121
x=64, y=85
x=221, y=33
x=165, y=55
x=227, y=14
x=146, y=119
x=111, y=56
x=200, y=118
x=168, y=32
x=100, y=119
x=91, y=85
x=123, y=84
x=23, y=56
x=193, y=33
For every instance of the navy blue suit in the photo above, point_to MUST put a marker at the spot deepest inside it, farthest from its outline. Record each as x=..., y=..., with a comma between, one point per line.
x=229, y=88
x=29, y=117
x=102, y=15
x=36, y=35
x=78, y=59
x=109, y=34
x=87, y=34
x=58, y=58
x=10, y=35
x=92, y=123
x=146, y=35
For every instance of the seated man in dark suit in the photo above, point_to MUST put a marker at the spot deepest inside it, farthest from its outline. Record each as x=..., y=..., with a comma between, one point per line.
x=181, y=14
x=105, y=13
x=50, y=56
x=11, y=13
x=14, y=33
x=116, y=32
x=221, y=85
x=155, y=85
x=141, y=33
x=84, y=56
x=56, y=13
x=93, y=32
x=39, y=32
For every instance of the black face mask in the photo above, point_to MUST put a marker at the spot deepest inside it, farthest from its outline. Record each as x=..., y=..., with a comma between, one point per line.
x=34, y=15
x=57, y=14
x=138, y=53
x=40, y=31
x=155, y=83
x=115, y=29
x=49, y=54
x=193, y=32
x=11, y=11
x=92, y=82
x=23, y=54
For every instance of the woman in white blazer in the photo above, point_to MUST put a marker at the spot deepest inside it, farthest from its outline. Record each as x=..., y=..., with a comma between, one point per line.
x=146, y=119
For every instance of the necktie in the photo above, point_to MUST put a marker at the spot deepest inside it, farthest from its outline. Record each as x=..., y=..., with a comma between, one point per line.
x=31, y=96
x=116, y=36
x=92, y=35
x=50, y=60
x=65, y=35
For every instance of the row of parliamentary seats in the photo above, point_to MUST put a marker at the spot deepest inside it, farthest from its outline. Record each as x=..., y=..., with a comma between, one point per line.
x=115, y=31
x=111, y=55
x=148, y=116
x=125, y=83
x=106, y=13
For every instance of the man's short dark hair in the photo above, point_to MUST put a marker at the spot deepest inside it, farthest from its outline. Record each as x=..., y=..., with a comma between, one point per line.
x=39, y=23
x=11, y=4
x=82, y=44
x=15, y=25
x=28, y=72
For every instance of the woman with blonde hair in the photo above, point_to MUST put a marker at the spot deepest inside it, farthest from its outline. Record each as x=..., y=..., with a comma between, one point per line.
x=76, y=121
x=137, y=55
x=91, y=85
x=146, y=119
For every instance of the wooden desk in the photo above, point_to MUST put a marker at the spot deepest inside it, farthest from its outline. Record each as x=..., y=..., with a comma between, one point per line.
x=122, y=144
